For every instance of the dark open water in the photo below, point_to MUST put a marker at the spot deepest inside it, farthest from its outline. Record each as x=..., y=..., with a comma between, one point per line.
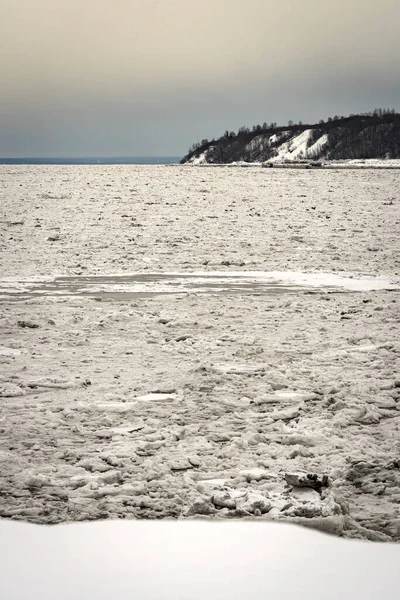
x=94, y=160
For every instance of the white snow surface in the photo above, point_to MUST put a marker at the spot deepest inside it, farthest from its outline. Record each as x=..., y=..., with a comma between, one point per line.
x=191, y=560
x=201, y=404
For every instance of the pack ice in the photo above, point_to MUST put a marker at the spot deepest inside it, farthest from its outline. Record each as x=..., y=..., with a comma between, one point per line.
x=201, y=344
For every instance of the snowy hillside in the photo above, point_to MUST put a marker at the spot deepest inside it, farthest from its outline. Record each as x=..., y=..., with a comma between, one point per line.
x=373, y=136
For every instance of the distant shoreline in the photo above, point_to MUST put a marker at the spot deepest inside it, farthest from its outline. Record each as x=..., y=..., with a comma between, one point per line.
x=175, y=161
x=94, y=160
x=338, y=165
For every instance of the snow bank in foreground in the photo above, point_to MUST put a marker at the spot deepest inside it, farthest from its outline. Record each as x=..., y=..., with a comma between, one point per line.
x=192, y=560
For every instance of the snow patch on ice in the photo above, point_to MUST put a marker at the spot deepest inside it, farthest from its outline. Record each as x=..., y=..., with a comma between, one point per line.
x=204, y=281
x=4, y=351
x=157, y=397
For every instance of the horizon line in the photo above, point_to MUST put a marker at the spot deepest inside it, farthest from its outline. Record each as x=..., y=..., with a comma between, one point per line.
x=93, y=156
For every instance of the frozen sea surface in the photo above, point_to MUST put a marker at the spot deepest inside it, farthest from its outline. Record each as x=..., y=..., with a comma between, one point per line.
x=266, y=386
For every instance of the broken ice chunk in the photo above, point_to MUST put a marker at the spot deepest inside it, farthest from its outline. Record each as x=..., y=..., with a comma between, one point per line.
x=310, y=480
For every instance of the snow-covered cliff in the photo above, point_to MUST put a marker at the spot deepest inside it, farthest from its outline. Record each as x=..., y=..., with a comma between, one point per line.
x=356, y=137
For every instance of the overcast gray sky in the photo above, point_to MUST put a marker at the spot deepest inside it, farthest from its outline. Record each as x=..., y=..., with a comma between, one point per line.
x=150, y=77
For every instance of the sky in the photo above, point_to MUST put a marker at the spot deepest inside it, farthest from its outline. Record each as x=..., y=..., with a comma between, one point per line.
x=150, y=77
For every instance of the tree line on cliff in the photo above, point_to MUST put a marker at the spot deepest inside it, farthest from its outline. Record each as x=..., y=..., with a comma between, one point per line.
x=369, y=135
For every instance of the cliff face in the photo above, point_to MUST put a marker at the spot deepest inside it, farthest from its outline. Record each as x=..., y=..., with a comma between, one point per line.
x=355, y=137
